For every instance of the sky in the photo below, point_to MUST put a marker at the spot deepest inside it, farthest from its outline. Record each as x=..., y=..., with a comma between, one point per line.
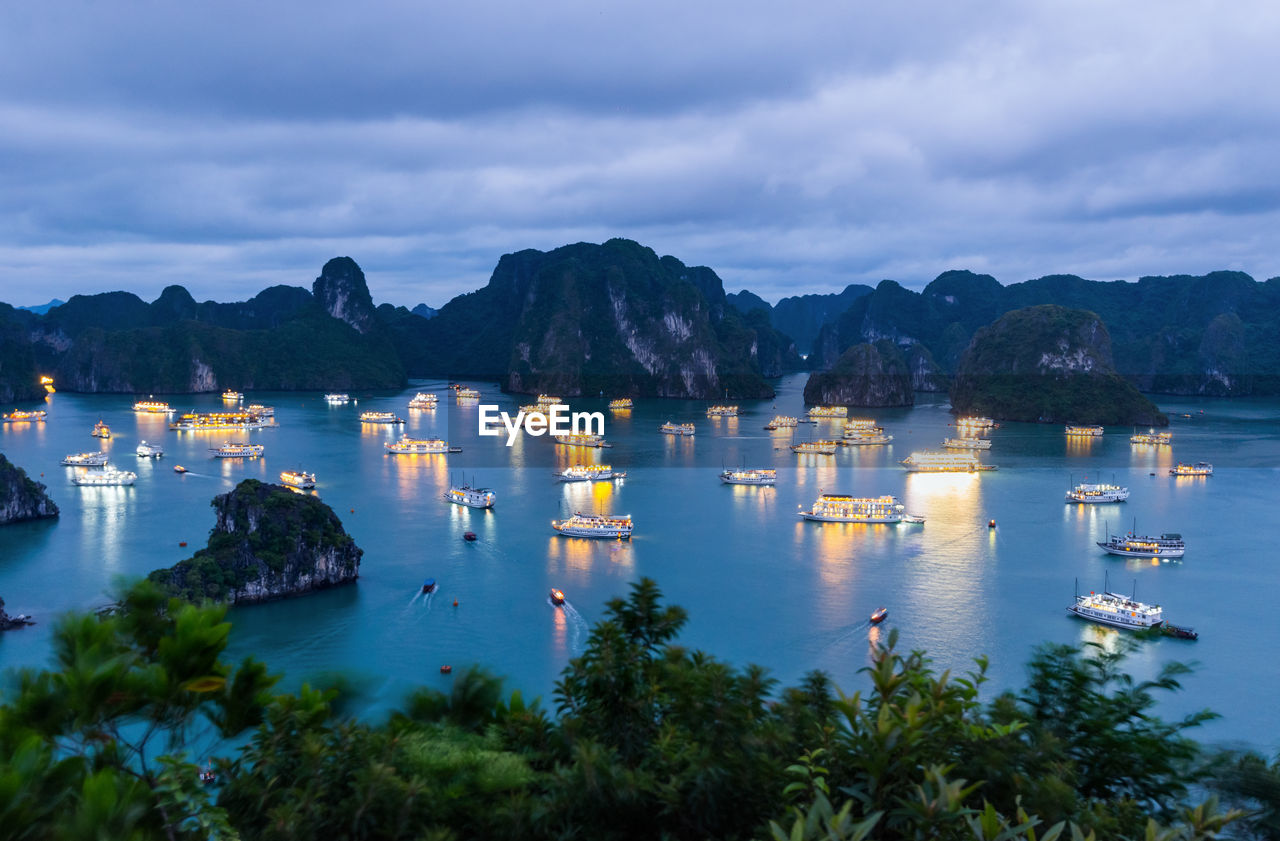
x=793, y=148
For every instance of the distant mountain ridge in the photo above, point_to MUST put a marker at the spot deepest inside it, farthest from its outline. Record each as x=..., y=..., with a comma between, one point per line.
x=801, y=316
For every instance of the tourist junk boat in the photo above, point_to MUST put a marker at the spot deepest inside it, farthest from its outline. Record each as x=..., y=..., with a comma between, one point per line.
x=298, y=479
x=19, y=416
x=101, y=430
x=863, y=436
x=818, y=448
x=841, y=508
x=1075, y=431
x=1107, y=608
x=407, y=446
x=380, y=417
x=782, y=422
x=580, y=439
x=1097, y=493
x=233, y=449
x=85, y=460
x=587, y=525
x=966, y=443
x=230, y=395
x=557, y=597
x=471, y=497
x=977, y=424
x=152, y=407
x=145, y=450
x=1162, y=439
x=337, y=398
x=106, y=477
x=545, y=399
x=829, y=412
x=621, y=403
x=200, y=421
x=1144, y=546
x=720, y=411
x=749, y=476
x=931, y=462
x=1200, y=468
x=670, y=428
x=260, y=410
x=466, y=393
x=423, y=400
x=589, y=473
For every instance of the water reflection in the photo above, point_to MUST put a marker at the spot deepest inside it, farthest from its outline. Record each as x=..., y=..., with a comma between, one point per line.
x=1080, y=445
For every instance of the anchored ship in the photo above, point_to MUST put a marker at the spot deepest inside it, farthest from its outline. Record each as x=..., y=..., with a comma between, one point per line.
x=196, y=421
x=931, y=462
x=1162, y=439
x=420, y=446
x=820, y=448
x=470, y=497
x=152, y=407
x=1144, y=545
x=720, y=411
x=580, y=439
x=19, y=416
x=861, y=436
x=1074, y=431
x=749, y=476
x=145, y=450
x=423, y=400
x=589, y=473
x=101, y=430
x=670, y=428
x=840, y=508
x=966, y=443
x=298, y=479
x=1088, y=492
x=463, y=393
x=85, y=460
x=976, y=424
x=829, y=412
x=621, y=403
x=106, y=477
x=232, y=449
x=586, y=525
x=1200, y=468
x=782, y=422
x=337, y=398
x=232, y=395
x=380, y=417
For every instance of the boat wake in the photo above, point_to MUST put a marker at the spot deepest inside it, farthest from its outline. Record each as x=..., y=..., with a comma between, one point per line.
x=848, y=633
x=577, y=626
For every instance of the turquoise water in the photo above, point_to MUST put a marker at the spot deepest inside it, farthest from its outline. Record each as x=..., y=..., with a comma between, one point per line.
x=760, y=585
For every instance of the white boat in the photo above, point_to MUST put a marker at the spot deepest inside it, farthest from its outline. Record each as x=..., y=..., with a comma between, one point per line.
x=420, y=446
x=423, y=400
x=1151, y=437
x=1200, y=468
x=260, y=410
x=232, y=395
x=1144, y=546
x=586, y=525
x=966, y=443
x=957, y=462
x=380, y=417
x=840, y=508
x=85, y=460
x=589, y=473
x=337, y=398
x=145, y=450
x=1076, y=431
x=232, y=449
x=865, y=437
x=580, y=439
x=470, y=497
x=544, y=399
x=198, y=421
x=19, y=416
x=860, y=423
x=468, y=394
x=829, y=412
x=750, y=476
x=976, y=424
x=298, y=479
x=106, y=477
x=101, y=430
x=670, y=428
x=152, y=407
x=817, y=448
x=782, y=422
x=1117, y=611
x=1089, y=492
x=721, y=411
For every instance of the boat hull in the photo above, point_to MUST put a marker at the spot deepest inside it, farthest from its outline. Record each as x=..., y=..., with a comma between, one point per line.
x=1114, y=621
x=1158, y=552
x=829, y=518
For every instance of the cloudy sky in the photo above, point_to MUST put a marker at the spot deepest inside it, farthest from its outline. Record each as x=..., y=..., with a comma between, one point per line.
x=228, y=146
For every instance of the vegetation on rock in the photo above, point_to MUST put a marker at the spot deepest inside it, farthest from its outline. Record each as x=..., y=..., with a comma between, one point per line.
x=21, y=497
x=864, y=375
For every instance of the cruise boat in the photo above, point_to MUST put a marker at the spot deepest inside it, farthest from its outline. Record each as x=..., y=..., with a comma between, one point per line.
x=470, y=497
x=380, y=417
x=19, y=416
x=47, y=382
x=587, y=525
x=232, y=449
x=467, y=393
x=860, y=423
x=1074, y=431
x=152, y=407
x=545, y=399
x=819, y=448
x=931, y=462
x=782, y=422
x=1200, y=468
x=407, y=446
x=1089, y=492
x=621, y=403
x=533, y=409
x=85, y=460
x=106, y=477
x=580, y=439
x=670, y=428
x=589, y=473
x=232, y=395
x=423, y=400
x=145, y=450
x=841, y=508
x=750, y=476
x=967, y=443
x=1117, y=611
x=1145, y=546
x=860, y=436
x=719, y=411
x=200, y=421
x=298, y=479
x=1161, y=439
x=979, y=424
x=829, y=412
x=261, y=411
x=337, y=398
x=101, y=430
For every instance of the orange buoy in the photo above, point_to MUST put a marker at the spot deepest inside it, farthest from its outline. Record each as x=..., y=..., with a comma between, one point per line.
x=353, y=510
x=455, y=602
x=445, y=670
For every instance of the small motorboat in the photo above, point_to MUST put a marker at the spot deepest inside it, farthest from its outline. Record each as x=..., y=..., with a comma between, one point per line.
x=429, y=586
x=1179, y=631
x=557, y=596
x=446, y=670
x=469, y=536
x=178, y=468
x=879, y=616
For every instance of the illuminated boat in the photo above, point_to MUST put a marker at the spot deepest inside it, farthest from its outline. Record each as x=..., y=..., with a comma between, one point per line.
x=380, y=417
x=423, y=400
x=19, y=416
x=145, y=450
x=933, y=462
x=232, y=395
x=860, y=423
x=106, y=477
x=1160, y=439
x=1074, y=431
x=829, y=412
x=298, y=479
x=101, y=430
x=750, y=476
x=977, y=424
x=1117, y=611
x=178, y=468
x=260, y=410
x=471, y=497
x=534, y=409
x=545, y=399
x=782, y=422
x=467, y=393
x=879, y=616
x=817, y=448
x=337, y=398
x=621, y=403
x=720, y=411
x=670, y=428
x=1144, y=546
x=85, y=460
x=420, y=446
x=1200, y=468
x=557, y=597
x=199, y=421
x=589, y=473
x=862, y=436
x=586, y=525
x=47, y=382
x=152, y=407
x=579, y=439
x=232, y=449
x=966, y=443
x=1089, y=493
x=840, y=508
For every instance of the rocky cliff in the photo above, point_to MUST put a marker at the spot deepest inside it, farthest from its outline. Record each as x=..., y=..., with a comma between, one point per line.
x=8, y=623
x=342, y=292
x=865, y=375
x=1051, y=364
x=22, y=498
x=268, y=543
